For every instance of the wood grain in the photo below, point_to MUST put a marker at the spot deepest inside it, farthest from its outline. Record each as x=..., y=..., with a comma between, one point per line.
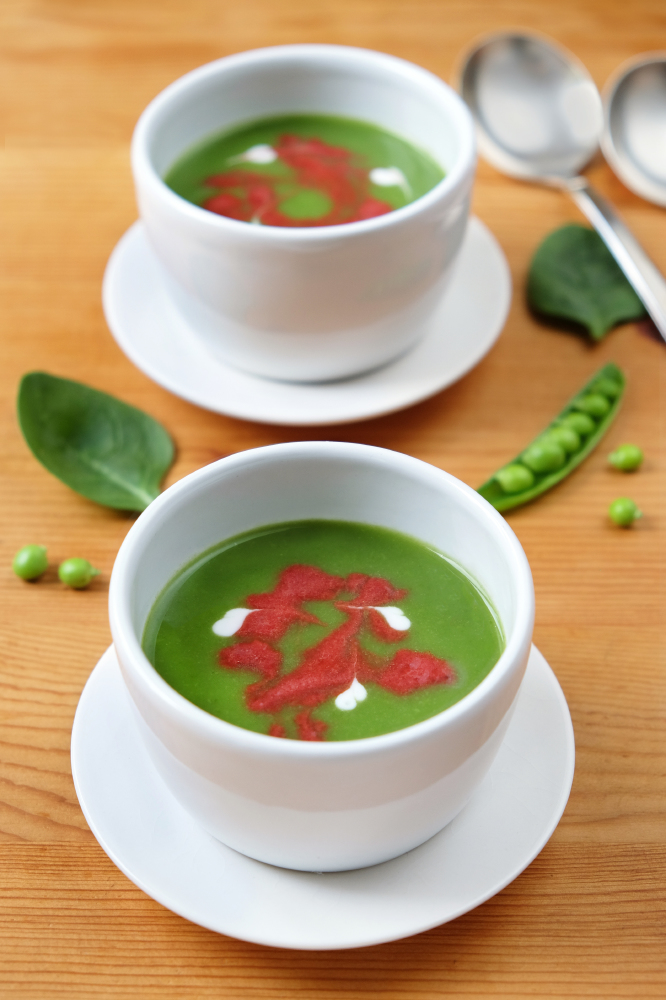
x=587, y=918
x=102, y=936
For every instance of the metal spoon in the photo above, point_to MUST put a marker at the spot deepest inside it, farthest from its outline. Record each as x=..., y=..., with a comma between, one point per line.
x=634, y=137
x=539, y=117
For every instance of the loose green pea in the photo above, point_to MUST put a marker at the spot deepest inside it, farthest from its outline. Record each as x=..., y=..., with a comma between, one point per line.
x=30, y=562
x=76, y=573
x=594, y=404
x=566, y=437
x=544, y=456
x=626, y=458
x=514, y=478
x=607, y=387
x=581, y=423
x=624, y=512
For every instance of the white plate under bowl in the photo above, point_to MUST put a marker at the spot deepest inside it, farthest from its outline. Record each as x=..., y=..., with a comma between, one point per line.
x=161, y=849
x=156, y=338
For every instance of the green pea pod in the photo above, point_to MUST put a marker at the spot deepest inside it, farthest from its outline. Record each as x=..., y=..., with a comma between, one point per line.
x=587, y=414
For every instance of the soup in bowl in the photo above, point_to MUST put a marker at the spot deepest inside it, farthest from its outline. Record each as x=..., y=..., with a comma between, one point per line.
x=345, y=633
x=307, y=204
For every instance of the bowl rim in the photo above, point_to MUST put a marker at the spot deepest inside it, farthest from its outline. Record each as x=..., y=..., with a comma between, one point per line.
x=181, y=712
x=153, y=116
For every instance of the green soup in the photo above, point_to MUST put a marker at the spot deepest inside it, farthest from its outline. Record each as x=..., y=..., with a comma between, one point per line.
x=303, y=170
x=322, y=630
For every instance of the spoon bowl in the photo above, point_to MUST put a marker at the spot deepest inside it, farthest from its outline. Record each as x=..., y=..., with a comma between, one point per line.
x=538, y=112
x=634, y=137
x=539, y=117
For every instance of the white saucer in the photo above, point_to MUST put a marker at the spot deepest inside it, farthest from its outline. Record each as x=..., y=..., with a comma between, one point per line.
x=156, y=338
x=156, y=844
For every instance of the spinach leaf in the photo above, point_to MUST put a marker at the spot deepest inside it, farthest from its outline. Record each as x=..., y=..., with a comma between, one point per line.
x=107, y=451
x=574, y=276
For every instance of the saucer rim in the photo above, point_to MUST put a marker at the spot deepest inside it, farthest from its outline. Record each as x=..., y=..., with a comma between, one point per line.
x=299, y=395
x=537, y=662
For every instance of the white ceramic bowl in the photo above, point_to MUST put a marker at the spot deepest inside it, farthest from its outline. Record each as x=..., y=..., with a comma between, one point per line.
x=321, y=806
x=317, y=303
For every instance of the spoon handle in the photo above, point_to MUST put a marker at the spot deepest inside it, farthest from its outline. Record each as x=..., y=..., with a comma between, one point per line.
x=645, y=277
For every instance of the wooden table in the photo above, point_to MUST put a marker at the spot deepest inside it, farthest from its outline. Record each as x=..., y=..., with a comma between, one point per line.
x=587, y=917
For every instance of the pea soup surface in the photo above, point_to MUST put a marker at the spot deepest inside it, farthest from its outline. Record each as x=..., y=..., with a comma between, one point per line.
x=303, y=170
x=322, y=630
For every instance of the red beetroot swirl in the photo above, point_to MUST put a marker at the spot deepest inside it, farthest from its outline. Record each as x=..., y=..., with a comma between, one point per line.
x=250, y=196
x=330, y=667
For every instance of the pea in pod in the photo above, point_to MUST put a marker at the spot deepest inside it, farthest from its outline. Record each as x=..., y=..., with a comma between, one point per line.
x=562, y=446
